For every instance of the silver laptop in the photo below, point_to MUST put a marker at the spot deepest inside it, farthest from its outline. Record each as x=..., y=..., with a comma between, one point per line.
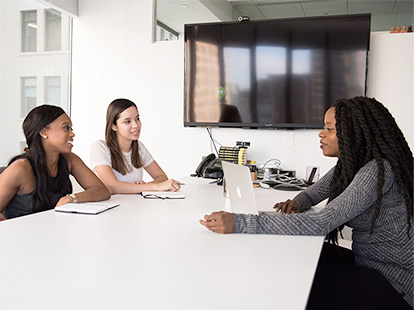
x=240, y=188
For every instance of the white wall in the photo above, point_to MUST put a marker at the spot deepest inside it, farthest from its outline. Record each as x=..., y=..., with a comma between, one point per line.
x=67, y=6
x=391, y=77
x=113, y=56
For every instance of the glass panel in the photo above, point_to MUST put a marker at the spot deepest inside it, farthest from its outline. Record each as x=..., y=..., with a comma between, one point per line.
x=52, y=86
x=53, y=30
x=29, y=31
x=165, y=33
x=29, y=95
x=30, y=74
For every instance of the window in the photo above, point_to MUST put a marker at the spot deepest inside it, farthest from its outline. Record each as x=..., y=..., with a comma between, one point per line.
x=165, y=33
x=29, y=31
x=29, y=95
x=52, y=90
x=53, y=30
x=34, y=64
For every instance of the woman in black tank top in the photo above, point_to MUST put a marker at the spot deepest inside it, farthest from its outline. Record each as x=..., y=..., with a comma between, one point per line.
x=38, y=180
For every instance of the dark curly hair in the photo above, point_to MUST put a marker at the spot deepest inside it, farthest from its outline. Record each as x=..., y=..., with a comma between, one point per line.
x=367, y=131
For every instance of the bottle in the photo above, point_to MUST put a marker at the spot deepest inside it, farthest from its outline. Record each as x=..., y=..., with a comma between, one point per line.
x=266, y=174
x=253, y=170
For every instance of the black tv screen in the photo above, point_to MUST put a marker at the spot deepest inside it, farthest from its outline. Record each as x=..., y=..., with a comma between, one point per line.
x=275, y=73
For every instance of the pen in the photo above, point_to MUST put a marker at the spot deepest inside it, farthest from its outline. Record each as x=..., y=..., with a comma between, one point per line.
x=181, y=183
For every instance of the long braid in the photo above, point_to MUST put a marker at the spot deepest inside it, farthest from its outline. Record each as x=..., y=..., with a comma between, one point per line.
x=367, y=131
x=403, y=169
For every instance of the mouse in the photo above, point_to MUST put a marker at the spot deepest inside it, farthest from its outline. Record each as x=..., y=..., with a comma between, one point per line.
x=288, y=187
x=264, y=185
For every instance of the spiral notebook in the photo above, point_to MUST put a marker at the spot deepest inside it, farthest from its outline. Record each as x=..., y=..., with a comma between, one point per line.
x=86, y=207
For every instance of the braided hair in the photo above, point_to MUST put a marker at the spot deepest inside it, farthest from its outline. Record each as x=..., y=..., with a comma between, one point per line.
x=367, y=131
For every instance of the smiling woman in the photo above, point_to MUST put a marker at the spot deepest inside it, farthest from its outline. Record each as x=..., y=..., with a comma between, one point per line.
x=120, y=160
x=38, y=180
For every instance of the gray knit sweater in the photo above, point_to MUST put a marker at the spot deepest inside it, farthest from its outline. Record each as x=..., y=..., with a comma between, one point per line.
x=388, y=249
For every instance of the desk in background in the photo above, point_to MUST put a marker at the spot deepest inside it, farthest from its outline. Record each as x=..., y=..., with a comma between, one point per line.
x=153, y=254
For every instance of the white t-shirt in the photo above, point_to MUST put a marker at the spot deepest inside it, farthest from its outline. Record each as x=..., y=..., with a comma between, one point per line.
x=101, y=156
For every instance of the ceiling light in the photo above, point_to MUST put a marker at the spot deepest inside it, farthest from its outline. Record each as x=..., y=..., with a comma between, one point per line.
x=184, y=5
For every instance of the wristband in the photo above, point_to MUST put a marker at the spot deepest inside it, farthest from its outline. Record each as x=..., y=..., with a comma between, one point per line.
x=74, y=198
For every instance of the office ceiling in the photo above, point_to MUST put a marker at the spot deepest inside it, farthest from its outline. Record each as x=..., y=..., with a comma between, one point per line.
x=384, y=13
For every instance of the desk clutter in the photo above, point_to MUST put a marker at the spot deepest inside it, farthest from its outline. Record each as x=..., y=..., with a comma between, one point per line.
x=279, y=179
x=273, y=176
x=235, y=155
x=402, y=29
x=265, y=176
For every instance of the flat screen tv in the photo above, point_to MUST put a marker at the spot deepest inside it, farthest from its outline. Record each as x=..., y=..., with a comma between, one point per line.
x=281, y=73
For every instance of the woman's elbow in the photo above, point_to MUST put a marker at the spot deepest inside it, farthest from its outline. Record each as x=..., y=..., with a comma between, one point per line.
x=110, y=189
x=106, y=194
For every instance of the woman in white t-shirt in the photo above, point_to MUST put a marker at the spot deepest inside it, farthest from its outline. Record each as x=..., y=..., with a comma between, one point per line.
x=119, y=161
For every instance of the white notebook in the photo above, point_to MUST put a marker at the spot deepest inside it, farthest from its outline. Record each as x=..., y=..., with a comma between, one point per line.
x=86, y=207
x=163, y=195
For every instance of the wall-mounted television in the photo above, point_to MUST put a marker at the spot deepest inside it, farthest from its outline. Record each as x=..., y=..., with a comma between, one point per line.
x=281, y=73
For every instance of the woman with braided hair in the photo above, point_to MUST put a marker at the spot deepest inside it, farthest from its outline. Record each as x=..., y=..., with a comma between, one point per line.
x=370, y=189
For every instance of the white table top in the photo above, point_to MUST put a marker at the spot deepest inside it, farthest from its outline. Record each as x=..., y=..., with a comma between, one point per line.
x=153, y=254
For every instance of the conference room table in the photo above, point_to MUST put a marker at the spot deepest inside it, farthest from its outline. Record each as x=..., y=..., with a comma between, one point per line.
x=153, y=254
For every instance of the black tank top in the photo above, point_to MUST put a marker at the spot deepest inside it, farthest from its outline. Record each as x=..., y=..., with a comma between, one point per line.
x=22, y=204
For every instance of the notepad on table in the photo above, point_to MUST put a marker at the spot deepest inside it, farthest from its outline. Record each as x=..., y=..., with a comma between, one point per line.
x=86, y=207
x=163, y=195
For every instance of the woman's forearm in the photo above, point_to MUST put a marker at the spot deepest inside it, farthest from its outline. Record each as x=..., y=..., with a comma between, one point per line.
x=97, y=193
x=160, y=179
x=133, y=188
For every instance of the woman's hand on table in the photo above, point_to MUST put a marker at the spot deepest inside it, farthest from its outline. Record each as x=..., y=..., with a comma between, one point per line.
x=219, y=222
x=288, y=207
x=169, y=185
x=64, y=200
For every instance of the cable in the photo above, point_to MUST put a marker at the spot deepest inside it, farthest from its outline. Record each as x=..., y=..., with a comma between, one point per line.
x=212, y=141
x=278, y=162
